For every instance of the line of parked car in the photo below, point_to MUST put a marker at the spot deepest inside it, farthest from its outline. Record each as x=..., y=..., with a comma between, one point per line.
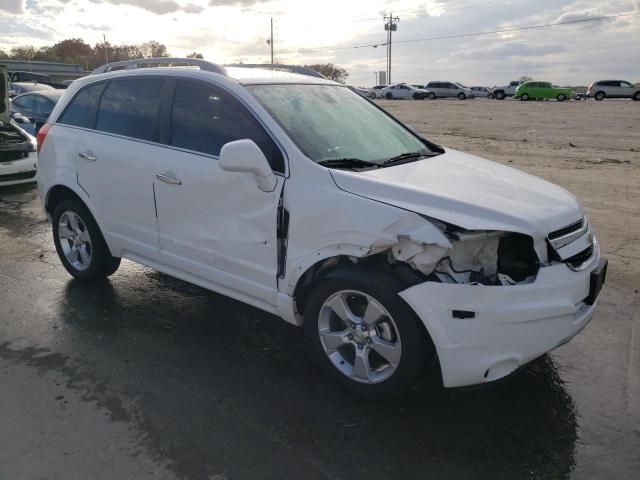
x=530, y=90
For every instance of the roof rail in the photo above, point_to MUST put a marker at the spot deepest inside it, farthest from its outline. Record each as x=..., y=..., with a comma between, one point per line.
x=137, y=63
x=281, y=68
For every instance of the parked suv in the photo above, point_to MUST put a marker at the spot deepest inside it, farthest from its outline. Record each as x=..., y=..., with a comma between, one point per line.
x=613, y=89
x=448, y=89
x=299, y=197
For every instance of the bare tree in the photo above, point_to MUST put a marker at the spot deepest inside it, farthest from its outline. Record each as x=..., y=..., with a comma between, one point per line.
x=331, y=71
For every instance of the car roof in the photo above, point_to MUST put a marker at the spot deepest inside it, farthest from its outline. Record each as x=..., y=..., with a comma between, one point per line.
x=241, y=75
x=53, y=95
x=32, y=86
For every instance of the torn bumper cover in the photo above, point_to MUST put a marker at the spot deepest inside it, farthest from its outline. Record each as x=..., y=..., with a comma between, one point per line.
x=483, y=332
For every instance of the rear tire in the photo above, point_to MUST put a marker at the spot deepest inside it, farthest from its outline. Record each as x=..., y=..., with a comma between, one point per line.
x=80, y=244
x=338, y=347
x=599, y=96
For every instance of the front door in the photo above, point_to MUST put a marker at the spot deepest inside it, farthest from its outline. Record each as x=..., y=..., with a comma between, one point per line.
x=213, y=224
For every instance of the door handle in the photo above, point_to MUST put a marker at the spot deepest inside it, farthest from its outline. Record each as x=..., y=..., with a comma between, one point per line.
x=169, y=180
x=86, y=156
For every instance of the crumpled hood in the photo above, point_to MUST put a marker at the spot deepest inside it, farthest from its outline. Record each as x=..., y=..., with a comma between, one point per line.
x=469, y=192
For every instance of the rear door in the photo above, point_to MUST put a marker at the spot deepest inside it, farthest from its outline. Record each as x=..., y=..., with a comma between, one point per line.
x=214, y=224
x=115, y=163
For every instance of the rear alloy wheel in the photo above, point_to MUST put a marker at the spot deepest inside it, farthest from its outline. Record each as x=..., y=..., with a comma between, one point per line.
x=461, y=96
x=599, y=96
x=432, y=96
x=363, y=335
x=524, y=97
x=389, y=96
x=561, y=98
x=79, y=243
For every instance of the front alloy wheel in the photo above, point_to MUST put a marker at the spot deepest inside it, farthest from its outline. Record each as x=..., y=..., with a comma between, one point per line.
x=363, y=335
x=359, y=337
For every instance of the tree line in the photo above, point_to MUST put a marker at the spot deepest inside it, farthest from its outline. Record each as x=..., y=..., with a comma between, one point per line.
x=75, y=50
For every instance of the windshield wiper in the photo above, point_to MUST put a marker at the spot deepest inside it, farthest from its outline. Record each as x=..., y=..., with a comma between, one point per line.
x=347, y=163
x=405, y=157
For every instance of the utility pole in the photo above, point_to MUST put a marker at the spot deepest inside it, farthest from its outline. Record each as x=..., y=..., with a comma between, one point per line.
x=270, y=42
x=390, y=25
x=106, y=52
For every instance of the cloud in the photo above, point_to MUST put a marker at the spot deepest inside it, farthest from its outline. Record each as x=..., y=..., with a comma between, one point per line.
x=159, y=7
x=231, y=3
x=513, y=49
x=12, y=6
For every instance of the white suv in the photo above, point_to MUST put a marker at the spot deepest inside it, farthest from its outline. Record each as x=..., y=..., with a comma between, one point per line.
x=613, y=89
x=299, y=197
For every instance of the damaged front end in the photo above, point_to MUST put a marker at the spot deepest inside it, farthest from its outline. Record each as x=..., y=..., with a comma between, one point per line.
x=469, y=257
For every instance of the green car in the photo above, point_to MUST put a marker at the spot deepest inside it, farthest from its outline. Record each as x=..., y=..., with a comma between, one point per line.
x=542, y=91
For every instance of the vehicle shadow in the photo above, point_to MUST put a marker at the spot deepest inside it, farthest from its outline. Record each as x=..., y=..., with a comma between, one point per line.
x=222, y=388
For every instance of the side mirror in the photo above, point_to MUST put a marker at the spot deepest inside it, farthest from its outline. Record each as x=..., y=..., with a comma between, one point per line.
x=246, y=156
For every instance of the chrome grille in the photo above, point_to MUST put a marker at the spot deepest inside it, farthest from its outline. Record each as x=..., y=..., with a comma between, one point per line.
x=566, y=230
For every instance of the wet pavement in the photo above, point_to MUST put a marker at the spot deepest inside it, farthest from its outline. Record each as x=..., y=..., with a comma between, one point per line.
x=144, y=376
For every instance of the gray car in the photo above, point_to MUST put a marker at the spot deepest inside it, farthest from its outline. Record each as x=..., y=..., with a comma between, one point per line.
x=36, y=106
x=448, y=90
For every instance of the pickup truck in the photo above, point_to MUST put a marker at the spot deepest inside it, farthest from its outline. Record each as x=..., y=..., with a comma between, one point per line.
x=507, y=91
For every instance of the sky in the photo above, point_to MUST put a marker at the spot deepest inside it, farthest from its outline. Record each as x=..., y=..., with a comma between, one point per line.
x=229, y=31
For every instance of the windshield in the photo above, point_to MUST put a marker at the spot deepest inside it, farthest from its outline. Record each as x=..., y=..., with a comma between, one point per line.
x=330, y=122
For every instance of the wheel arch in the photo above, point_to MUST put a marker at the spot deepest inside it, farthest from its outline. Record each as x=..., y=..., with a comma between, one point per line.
x=59, y=192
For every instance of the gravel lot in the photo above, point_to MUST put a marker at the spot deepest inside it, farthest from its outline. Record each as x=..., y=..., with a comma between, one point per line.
x=146, y=377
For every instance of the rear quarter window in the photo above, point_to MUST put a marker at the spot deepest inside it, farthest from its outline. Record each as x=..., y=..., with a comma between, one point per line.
x=78, y=112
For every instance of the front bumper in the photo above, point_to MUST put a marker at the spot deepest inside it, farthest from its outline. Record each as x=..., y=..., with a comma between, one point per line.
x=19, y=171
x=511, y=326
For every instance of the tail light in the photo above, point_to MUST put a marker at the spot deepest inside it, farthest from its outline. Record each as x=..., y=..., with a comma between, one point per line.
x=42, y=134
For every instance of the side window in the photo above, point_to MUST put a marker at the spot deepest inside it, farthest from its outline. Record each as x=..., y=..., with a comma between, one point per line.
x=625, y=84
x=130, y=107
x=26, y=102
x=78, y=112
x=204, y=118
x=42, y=105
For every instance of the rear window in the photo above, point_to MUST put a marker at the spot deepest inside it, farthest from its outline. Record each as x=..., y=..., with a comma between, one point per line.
x=79, y=111
x=130, y=107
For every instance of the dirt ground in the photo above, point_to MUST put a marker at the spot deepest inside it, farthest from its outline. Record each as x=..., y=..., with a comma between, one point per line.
x=590, y=148
x=147, y=377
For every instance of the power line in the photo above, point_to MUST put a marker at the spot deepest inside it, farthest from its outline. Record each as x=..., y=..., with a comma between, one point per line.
x=463, y=35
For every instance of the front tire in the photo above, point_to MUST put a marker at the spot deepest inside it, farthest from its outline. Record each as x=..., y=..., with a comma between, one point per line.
x=80, y=244
x=561, y=98
x=461, y=96
x=524, y=97
x=389, y=96
x=363, y=335
x=432, y=96
x=500, y=95
x=636, y=97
